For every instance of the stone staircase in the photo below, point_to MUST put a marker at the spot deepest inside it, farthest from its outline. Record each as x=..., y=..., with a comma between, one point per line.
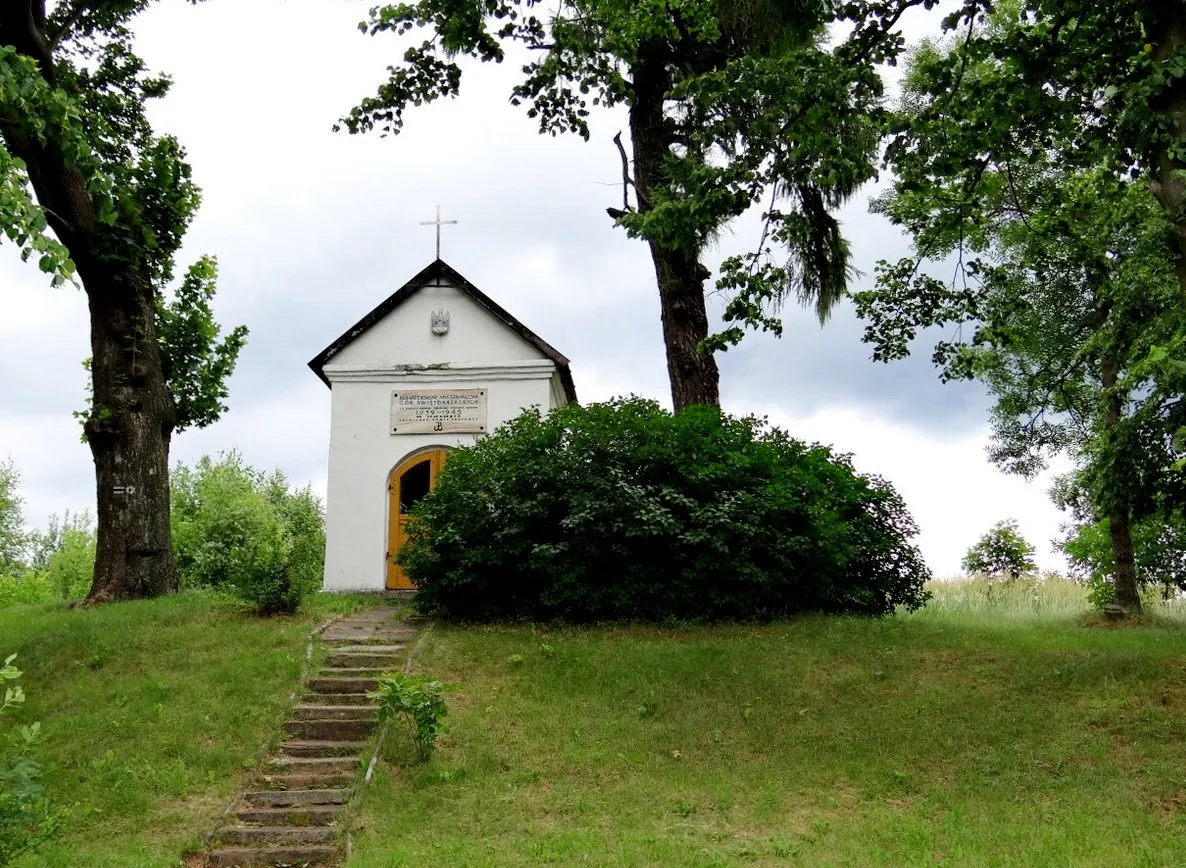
x=293, y=812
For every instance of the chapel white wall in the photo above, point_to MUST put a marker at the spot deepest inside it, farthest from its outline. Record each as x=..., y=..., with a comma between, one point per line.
x=475, y=336
x=363, y=452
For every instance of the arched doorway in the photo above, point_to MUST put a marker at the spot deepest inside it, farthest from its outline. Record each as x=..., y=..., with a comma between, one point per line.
x=409, y=482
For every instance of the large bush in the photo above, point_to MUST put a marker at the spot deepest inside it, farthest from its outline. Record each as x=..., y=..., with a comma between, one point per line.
x=625, y=511
x=237, y=528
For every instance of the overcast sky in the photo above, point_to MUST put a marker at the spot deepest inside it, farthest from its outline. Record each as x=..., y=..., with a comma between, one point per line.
x=313, y=228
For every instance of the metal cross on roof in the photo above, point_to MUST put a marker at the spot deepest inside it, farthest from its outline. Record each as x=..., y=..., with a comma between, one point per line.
x=438, y=223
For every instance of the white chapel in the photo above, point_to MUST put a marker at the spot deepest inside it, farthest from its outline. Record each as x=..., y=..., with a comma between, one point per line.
x=435, y=366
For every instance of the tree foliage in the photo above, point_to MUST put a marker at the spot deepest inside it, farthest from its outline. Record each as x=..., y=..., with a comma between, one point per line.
x=1001, y=553
x=13, y=539
x=63, y=555
x=90, y=191
x=1159, y=548
x=197, y=363
x=625, y=511
x=247, y=532
x=1064, y=294
x=732, y=104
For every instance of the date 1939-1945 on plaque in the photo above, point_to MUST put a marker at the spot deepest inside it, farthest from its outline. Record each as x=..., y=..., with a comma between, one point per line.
x=430, y=411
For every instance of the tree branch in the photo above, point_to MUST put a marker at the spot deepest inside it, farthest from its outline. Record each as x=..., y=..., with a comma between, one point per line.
x=64, y=21
x=627, y=182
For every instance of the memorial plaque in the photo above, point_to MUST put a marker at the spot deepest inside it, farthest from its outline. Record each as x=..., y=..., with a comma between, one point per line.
x=438, y=411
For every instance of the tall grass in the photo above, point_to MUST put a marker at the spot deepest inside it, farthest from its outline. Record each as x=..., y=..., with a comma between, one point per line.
x=1051, y=598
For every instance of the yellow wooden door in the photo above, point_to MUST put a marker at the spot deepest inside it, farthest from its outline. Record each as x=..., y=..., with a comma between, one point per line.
x=409, y=482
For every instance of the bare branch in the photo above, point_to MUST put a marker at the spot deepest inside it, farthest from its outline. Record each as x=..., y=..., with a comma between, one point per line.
x=627, y=182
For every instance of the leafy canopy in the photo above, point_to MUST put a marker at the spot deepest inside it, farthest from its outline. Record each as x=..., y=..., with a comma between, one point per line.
x=1000, y=553
x=85, y=93
x=1064, y=295
x=752, y=110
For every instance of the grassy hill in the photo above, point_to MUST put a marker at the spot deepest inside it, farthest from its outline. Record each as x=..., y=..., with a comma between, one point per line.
x=986, y=730
x=150, y=712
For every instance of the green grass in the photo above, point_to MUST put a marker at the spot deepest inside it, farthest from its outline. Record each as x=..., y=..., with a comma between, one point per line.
x=151, y=713
x=993, y=733
x=993, y=728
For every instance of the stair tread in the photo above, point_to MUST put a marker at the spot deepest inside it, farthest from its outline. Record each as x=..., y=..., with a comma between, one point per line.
x=273, y=811
x=312, y=763
x=292, y=815
x=297, y=798
x=254, y=835
x=284, y=854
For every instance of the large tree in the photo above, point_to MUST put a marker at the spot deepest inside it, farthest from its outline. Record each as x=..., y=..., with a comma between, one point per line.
x=1068, y=304
x=1108, y=77
x=90, y=191
x=731, y=104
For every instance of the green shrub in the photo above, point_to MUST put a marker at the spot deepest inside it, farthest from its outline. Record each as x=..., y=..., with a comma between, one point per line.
x=61, y=563
x=64, y=555
x=1001, y=553
x=625, y=511
x=420, y=701
x=26, y=819
x=239, y=529
x=24, y=589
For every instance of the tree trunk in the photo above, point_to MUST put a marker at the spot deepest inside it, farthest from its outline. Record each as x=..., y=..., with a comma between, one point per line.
x=1124, y=573
x=1169, y=35
x=1120, y=529
x=680, y=276
x=128, y=432
x=132, y=412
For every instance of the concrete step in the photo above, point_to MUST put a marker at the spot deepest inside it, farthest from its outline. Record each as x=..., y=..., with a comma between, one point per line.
x=354, y=672
x=390, y=649
x=368, y=638
x=341, y=684
x=335, y=699
x=330, y=730
x=388, y=662
x=257, y=835
x=307, y=781
x=295, y=815
x=322, y=748
x=286, y=798
x=330, y=765
x=293, y=855
x=323, y=711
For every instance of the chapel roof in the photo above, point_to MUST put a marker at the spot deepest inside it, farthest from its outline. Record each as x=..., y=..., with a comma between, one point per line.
x=436, y=272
